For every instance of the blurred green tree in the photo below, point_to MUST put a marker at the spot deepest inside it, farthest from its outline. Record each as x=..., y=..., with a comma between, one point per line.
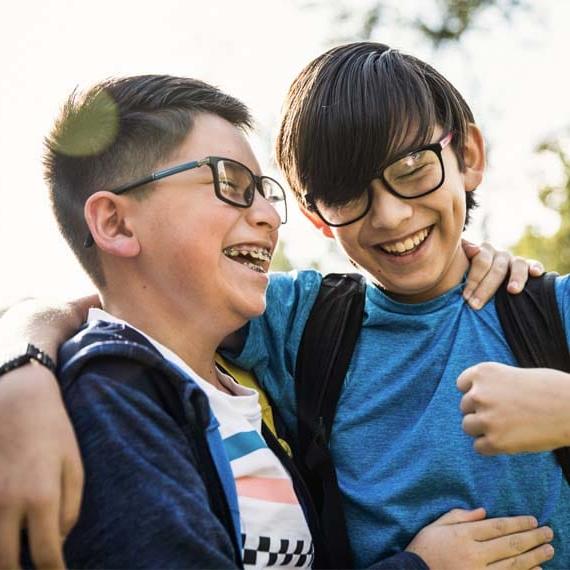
x=552, y=250
x=437, y=21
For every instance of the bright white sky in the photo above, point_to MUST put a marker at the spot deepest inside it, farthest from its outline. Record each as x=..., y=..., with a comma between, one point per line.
x=511, y=73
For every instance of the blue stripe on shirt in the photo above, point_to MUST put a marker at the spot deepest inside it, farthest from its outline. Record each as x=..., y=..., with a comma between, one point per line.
x=243, y=443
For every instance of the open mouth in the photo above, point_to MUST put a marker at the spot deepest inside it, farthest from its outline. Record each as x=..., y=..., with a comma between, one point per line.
x=255, y=258
x=408, y=245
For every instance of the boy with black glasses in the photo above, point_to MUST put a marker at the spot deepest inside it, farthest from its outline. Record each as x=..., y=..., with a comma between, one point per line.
x=383, y=154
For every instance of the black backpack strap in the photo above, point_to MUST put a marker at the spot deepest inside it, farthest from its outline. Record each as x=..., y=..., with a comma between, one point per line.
x=535, y=332
x=324, y=355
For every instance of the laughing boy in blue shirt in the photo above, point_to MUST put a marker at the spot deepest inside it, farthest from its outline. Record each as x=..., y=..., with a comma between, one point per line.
x=383, y=154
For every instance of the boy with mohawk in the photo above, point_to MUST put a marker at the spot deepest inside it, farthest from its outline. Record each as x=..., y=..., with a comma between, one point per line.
x=158, y=193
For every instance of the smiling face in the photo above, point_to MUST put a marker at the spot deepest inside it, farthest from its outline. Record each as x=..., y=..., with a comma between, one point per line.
x=413, y=247
x=200, y=255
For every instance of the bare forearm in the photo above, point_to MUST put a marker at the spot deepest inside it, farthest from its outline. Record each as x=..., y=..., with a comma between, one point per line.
x=45, y=325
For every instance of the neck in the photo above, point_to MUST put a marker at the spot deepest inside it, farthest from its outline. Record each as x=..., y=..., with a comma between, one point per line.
x=193, y=335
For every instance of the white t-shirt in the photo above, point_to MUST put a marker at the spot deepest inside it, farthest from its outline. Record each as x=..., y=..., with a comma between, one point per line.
x=274, y=528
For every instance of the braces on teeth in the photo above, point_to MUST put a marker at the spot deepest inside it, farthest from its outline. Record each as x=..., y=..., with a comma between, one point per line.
x=260, y=254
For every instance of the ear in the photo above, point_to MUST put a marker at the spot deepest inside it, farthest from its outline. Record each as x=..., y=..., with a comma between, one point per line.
x=108, y=222
x=314, y=218
x=474, y=157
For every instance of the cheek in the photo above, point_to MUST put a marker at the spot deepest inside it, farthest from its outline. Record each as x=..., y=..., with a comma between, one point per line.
x=347, y=239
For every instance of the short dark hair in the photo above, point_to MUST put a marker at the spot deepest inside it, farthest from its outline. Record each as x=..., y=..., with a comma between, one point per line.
x=353, y=108
x=117, y=130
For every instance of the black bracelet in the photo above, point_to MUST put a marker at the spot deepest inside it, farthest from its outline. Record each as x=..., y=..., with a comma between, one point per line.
x=30, y=353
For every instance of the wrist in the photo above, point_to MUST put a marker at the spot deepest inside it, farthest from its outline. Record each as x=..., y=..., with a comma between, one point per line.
x=24, y=354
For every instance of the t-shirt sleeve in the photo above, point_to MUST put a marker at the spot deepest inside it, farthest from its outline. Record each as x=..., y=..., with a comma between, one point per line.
x=272, y=340
x=145, y=504
x=562, y=288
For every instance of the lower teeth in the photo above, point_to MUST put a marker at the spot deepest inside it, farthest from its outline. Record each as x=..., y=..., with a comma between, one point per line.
x=254, y=267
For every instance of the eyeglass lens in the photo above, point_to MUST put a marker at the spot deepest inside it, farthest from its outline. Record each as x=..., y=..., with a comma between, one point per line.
x=412, y=176
x=237, y=186
x=415, y=174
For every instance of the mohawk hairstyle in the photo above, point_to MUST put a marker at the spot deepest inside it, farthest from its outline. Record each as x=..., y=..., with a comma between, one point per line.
x=117, y=130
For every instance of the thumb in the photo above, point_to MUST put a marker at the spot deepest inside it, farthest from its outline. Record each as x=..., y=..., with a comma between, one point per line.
x=456, y=516
x=471, y=249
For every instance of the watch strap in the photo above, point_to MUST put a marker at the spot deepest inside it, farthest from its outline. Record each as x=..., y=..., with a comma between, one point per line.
x=31, y=352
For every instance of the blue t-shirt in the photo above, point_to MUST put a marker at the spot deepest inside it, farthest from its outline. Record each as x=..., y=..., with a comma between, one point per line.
x=401, y=456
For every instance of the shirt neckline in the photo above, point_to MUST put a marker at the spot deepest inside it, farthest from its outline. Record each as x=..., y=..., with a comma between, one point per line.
x=380, y=298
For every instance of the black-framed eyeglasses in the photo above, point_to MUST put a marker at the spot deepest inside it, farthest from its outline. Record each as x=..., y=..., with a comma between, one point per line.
x=413, y=175
x=234, y=183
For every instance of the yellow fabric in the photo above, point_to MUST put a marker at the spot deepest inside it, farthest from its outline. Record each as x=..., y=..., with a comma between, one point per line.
x=248, y=380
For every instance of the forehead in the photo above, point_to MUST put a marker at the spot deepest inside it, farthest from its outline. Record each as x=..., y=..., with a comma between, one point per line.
x=211, y=135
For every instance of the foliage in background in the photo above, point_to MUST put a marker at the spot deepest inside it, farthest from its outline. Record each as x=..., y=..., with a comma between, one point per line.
x=552, y=250
x=437, y=21
x=280, y=261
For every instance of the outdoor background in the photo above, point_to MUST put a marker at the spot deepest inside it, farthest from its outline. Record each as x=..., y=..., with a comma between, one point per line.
x=508, y=58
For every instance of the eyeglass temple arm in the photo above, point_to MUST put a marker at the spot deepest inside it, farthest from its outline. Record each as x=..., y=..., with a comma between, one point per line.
x=160, y=175
x=89, y=242
x=446, y=140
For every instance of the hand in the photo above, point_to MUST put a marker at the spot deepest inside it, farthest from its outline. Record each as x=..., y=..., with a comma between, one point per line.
x=41, y=478
x=489, y=267
x=461, y=539
x=510, y=410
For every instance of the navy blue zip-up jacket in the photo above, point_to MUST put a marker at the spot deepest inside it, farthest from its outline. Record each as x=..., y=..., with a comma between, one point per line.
x=159, y=491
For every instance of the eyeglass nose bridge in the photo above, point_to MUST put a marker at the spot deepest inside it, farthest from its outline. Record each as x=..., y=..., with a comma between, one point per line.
x=380, y=197
x=282, y=209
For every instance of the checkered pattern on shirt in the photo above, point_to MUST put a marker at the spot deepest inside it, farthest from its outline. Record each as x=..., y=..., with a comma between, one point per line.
x=274, y=552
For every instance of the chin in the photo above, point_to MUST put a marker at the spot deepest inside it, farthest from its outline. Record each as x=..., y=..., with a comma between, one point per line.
x=252, y=307
x=414, y=289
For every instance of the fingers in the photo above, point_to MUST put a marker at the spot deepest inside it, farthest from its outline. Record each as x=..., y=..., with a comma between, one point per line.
x=464, y=381
x=485, y=446
x=471, y=249
x=528, y=560
x=515, y=544
x=494, y=528
x=456, y=516
x=72, y=488
x=491, y=281
x=518, y=275
x=536, y=268
x=467, y=405
x=480, y=267
x=472, y=425
x=82, y=305
x=44, y=536
x=10, y=525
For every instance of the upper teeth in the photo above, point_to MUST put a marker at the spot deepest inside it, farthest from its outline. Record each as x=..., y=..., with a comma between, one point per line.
x=407, y=244
x=255, y=252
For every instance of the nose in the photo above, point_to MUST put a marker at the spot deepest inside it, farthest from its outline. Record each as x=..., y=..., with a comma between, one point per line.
x=261, y=212
x=387, y=210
